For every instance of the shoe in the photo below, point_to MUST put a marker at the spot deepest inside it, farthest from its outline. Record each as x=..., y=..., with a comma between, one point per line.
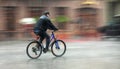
x=45, y=50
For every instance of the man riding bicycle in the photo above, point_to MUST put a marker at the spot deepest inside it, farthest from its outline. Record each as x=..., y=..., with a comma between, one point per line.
x=41, y=27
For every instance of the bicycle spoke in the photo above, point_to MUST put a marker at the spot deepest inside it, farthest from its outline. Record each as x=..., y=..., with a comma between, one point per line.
x=34, y=50
x=58, y=48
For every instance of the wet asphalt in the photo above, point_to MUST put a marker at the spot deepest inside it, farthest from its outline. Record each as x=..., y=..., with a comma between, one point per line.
x=97, y=54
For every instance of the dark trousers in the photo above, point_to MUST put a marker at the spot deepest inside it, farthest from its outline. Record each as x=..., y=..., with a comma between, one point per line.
x=44, y=35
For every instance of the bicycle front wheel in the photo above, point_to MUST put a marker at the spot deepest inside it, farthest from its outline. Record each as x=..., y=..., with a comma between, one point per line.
x=58, y=48
x=34, y=50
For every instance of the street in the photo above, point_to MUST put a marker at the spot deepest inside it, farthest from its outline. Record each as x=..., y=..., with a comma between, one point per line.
x=79, y=55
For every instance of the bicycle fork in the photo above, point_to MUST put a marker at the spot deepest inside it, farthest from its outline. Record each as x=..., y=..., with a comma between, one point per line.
x=56, y=42
x=57, y=45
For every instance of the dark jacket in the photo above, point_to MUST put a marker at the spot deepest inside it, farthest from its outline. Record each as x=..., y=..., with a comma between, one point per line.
x=43, y=24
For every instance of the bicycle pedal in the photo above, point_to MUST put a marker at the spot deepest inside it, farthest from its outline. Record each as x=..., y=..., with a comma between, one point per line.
x=45, y=50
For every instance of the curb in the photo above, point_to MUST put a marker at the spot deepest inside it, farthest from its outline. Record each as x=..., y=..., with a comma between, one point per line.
x=81, y=39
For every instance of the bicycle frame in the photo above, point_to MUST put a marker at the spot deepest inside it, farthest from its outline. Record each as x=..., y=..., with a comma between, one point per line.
x=53, y=37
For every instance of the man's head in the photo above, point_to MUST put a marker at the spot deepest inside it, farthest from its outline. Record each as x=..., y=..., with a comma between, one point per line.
x=46, y=13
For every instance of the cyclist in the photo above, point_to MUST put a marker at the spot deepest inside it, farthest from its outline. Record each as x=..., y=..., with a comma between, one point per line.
x=41, y=27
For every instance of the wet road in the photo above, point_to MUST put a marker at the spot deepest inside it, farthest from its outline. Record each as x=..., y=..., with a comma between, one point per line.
x=79, y=55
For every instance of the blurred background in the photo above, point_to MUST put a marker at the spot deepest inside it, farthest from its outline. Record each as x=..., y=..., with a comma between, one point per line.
x=75, y=18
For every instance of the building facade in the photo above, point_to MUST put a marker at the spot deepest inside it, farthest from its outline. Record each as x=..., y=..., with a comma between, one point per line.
x=113, y=8
x=87, y=15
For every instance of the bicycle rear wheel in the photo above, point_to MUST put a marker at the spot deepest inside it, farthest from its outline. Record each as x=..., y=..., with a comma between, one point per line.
x=58, y=48
x=34, y=50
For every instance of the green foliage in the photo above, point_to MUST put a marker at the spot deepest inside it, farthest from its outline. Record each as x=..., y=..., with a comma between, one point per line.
x=61, y=19
x=36, y=18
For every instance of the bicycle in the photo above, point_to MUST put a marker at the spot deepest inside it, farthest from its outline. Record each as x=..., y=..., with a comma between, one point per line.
x=35, y=48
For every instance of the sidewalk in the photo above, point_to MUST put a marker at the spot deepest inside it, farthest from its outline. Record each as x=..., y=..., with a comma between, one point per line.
x=26, y=40
x=79, y=39
x=68, y=41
